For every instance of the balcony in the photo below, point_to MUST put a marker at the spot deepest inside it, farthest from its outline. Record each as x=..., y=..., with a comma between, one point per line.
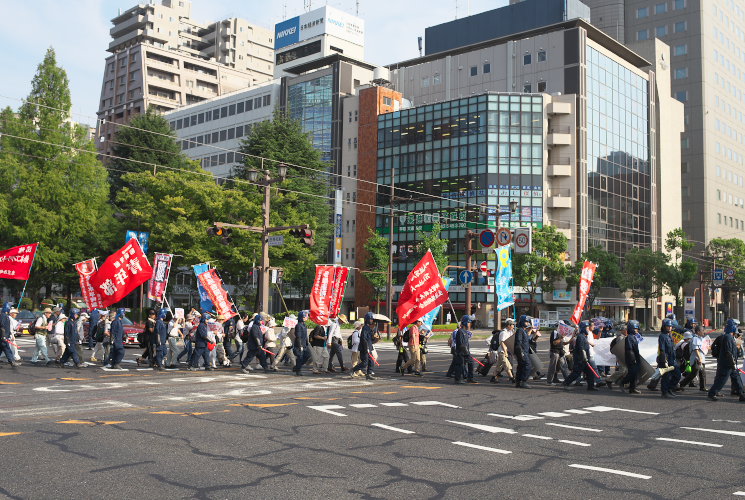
x=559, y=108
x=559, y=167
x=559, y=198
x=563, y=227
x=131, y=23
x=560, y=136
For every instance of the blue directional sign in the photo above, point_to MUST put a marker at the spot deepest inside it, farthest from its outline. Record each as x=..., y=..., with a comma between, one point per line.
x=718, y=277
x=465, y=277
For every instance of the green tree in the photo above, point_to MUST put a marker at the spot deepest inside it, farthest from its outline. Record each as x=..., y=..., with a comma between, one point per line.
x=439, y=246
x=643, y=271
x=607, y=274
x=544, y=266
x=52, y=187
x=679, y=271
x=378, y=249
x=729, y=253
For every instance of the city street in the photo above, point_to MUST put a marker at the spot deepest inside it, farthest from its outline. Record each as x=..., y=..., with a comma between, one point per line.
x=89, y=433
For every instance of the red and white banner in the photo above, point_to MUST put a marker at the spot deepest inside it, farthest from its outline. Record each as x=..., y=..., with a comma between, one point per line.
x=16, y=262
x=161, y=269
x=585, y=282
x=422, y=292
x=123, y=271
x=337, y=295
x=86, y=270
x=212, y=283
x=320, y=295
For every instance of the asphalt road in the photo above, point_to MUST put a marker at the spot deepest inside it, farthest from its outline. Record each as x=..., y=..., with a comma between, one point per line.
x=92, y=433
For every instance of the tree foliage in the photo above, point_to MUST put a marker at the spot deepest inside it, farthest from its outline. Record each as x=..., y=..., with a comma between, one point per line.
x=729, y=253
x=643, y=272
x=378, y=250
x=679, y=271
x=437, y=245
x=544, y=266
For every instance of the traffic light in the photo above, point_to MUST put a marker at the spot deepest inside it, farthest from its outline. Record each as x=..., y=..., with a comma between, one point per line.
x=306, y=235
x=223, y=232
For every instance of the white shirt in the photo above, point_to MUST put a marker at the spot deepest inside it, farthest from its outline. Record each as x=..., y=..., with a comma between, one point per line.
x=696, y=349
x=356, y=340
x=59, y=328
x=334, y=331
x=41, y=324
x=504, y=335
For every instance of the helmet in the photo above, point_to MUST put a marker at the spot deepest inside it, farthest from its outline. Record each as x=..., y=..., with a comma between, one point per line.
x=523, y=320
x=731, y=326
x=162, y=313
x=667, y=322
x=259, y=318
x=120, y=313
x=74, y=313
x=631, y=326
x=369, y=316
x=584, y=326
x=6, y=307
x=466, y=320
x=609, y=323
x=304, y=314
x=687, y=335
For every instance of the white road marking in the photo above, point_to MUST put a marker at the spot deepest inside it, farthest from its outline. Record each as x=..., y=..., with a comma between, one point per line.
x=610, y=471
x=713, y=445
x=534, y=436
x=728, y=421
x=739, y=493
x=113, y=370
x=717, y=431
x=486, y=428
x=553, y=414
x=500, y=415
x=609, y=408
x=588, y=429
x=54, y=410
x=363, y=405
x=484, y=448
x=393, y=404
x=434, y=403
x=396, y=429
x=577, y=412
x=328, y=409
x=523, y=418
x=599, y=408
x=576, y=443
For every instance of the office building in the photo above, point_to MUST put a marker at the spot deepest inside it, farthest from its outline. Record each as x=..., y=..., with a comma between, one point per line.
x=162, y=58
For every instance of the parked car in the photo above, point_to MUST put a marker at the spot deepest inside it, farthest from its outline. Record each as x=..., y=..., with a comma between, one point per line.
x=131, y=330
x=25, y=318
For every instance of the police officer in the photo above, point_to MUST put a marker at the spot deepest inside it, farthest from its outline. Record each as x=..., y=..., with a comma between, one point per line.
x=300, y=347
x=581, y=359
x=632, y=357
x=71, y=340
x=364, y=367
x=666, y=359
x=161, y=339
x=201, y=341
x=117, y=340
x=254, y=340
x=522, y=352
x=93, y=327
x=727, y=364
x=463, y=364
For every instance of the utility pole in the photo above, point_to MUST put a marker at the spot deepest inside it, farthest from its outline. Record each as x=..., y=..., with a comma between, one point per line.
x=470, y=235
x=389, y=291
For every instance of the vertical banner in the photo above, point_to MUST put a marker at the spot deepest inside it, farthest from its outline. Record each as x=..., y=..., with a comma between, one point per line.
x=422, y=292
x=16, y=262
x=337, y=294
x=689, y=307
x=161, y=269
x=585, y=282
x=320, y=295
x=86, y=270
x=212, y=283
x=205, y=304
x=121, y=273
x=429, y=319
x=338, y=243
x=503, y=280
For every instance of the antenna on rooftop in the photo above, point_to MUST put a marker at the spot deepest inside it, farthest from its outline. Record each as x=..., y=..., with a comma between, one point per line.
x=307, y=5
x=357, y=8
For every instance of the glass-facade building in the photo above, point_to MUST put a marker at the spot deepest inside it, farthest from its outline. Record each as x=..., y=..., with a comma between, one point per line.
x=484, y=150
x=618, y=156
x=311, y=103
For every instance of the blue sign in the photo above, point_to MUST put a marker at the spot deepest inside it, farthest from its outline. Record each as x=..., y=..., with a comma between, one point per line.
x=204, y=299
x=487, y=238
x=718, y=276
x=142, y=236
x=503, y=280
x=287, y=32
x=465, y=277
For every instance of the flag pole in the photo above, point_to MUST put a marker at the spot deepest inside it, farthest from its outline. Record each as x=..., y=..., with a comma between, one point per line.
x=23, y=292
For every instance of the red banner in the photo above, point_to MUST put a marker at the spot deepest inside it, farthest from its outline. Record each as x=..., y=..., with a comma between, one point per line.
x=422, y=292
x=86, y=270
x=161, y=270
x=123, y=271
x=337, y=293
x=320, y=295
x=213, y=285
x=585, y=282
x=16, y=262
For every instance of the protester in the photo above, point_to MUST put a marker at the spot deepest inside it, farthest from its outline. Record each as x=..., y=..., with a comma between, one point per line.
x=40, y=335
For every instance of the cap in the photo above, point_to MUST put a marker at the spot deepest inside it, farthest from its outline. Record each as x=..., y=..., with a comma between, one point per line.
x=47, y=310
x=509, y=321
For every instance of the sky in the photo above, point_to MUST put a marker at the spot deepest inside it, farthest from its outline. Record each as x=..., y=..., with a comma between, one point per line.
x=78, y=30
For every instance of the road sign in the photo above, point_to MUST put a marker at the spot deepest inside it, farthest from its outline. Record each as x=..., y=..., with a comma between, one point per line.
x=523, y=240
x=276, y=241
x=465, y=277
x=504, y=236
x=487, y=238
x=718, y=277
x=729, y=274
x=484, y=267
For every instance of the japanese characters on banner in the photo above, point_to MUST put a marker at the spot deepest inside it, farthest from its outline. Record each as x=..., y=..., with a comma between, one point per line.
x=161, y=270
x=123, y=271
x=429, y=318
x=320, y=295
x=289, y=322
x=204, y=299
x=503, y=279
x=422, y=292
x=565, y=330
x=337, y=292
x=588, y=273
x=219, y=297
x=16, y=262
x=86, y=270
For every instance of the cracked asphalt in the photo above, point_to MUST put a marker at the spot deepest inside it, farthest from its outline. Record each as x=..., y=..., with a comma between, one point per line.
x=91, y=434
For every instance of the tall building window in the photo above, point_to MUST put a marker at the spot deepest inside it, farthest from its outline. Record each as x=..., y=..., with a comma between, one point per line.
x=642, y=12
x=526, y=59
x=679, y=4
x=527, y=88
x=660, y=8
x=541, y=55
x=660, y=31
x=680, y=26
x=487, y=68
x=682, y=95
x=680, y=50
x=541, y=86
x=642, y=34
x=436, y=79
x=474, y=72
x=680, y=73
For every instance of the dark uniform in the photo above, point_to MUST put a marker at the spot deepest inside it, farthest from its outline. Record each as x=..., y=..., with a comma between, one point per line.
x=93, y=327
x=117, y=339
x=160, y=338
x=201, y=341
x=522, y=353
x=72, y=340
x=5, y=333
x=666, y=358
x=727, y=364
x=365, y=349
x=581, y=359
x=300, y=347
x=253, y=345
x=462, y=362
x=632, y=357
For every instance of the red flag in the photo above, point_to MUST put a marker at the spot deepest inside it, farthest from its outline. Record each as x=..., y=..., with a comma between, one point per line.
x=123, y=271
x=588, y=273
x=320, y=295
x=337, y=294
x=422, y=292
x=16, y=262
x=219, y=297
x=86, y=270
x=161, y=269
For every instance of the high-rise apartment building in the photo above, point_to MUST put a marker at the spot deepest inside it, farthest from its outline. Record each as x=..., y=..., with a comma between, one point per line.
x=164, y=59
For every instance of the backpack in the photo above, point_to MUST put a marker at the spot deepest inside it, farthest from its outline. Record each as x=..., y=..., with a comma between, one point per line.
x=349, y=342
x=32, y=327
x=407, y=336
x=716, y=346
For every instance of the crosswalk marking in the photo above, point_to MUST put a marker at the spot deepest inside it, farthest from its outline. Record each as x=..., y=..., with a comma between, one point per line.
x=576, y=443
x=553, y=414
x=363, y=405
x=577, y=412
x=547, y=438
x=395, y=429
x=717, y=431
x=713, y=445
x=393, y=404
x=487, y=428
x=587, y=429
x=434, y=403
x=484, y=448
x=610, y=471
x=329, y=409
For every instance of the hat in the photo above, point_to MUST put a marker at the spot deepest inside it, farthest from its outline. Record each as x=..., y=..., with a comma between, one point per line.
x=61, y=317
x=687, y=335
x=358, y=323
x=47, y=310
x=343, y=318
x=271, y=323
x=509, y=321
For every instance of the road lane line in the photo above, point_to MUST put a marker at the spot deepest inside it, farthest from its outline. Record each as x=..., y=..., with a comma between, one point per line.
x=396, y=429
x=434, y=403
x=576, y=443
x=553, y=414
x=713, y=445
x=328, y=409
x=363, y=405
x=588, y=429
x=484, y=448
x=4, y=434
x=538, y=437
x=716, y=431
x=500, y=415
x=523, y=418
x=577, y=412
x=610, y=471
x=393, y=404
x=739, y=493
x=610, y=408
x=486, y=428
